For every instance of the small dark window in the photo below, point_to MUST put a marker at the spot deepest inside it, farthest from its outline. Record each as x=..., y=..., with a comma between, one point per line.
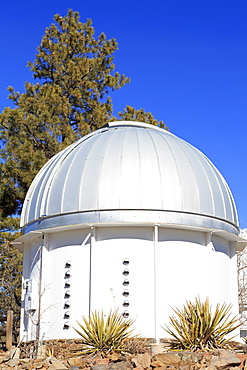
x=66, y=315
x=67, y=295
x=66, y=326
x=125, y=314
x=126, y=293
x=67, y=304
x=68, y=274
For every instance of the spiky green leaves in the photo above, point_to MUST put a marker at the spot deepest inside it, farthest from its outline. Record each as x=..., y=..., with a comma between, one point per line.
x=104, y=333
x=197, y=327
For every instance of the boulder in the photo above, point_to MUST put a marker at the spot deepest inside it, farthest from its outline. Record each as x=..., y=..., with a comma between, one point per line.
x=225, y=359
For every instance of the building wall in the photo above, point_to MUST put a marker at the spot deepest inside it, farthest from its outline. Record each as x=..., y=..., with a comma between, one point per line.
x=117, y=251
x=141, y=271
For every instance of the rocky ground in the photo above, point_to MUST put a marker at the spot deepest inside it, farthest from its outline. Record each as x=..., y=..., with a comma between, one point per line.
x=156, y=358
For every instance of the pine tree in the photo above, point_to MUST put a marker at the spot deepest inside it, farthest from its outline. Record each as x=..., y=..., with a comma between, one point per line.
x=75, y=73
x=131, y=114
x=10, y=272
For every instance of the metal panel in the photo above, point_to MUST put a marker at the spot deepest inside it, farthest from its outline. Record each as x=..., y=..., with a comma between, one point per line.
x=129, y=189
x=109, y=191
x=150, y=184
x=88, y=195
x=75, y=176
x=169, y=176
x=200, y=169
x=187, y=177
x=129, y=165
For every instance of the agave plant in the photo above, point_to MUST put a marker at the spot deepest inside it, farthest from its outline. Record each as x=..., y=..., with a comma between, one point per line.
x=104, y=334
x=197, y=327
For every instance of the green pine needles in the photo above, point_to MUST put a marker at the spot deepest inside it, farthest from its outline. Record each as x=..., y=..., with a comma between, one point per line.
x=104, y=334
x=197, y=327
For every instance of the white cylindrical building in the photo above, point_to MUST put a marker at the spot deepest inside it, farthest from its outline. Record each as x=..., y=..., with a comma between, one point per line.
x=129, y=217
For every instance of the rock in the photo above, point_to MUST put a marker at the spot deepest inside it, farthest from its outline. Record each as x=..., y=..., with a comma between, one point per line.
x=210, y=367
x=143, y=360
x=25, y=360
x=74, y=368
x=122, y=365
x=56, y=365
x=98, y=367
x=157, y=364
x=191, y=357
x=27, y=366
x=188, y=359
x=38, y=364
x=13, y=362
x=155, y=349
x=168, y=359
x=225, y=360
x=77, y=361
x=184, y=367
x=114, y=357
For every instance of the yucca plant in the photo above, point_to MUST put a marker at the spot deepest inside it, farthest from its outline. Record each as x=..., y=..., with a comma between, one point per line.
x=197, y=327
x=104, y=334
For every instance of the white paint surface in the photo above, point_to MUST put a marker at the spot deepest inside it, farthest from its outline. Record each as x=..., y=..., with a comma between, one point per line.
x=163, y=273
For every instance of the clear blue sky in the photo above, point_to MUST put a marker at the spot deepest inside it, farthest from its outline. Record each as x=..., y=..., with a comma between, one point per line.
x=187, y=61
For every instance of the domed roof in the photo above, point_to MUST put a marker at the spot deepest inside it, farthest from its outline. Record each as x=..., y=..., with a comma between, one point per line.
x=129, y=172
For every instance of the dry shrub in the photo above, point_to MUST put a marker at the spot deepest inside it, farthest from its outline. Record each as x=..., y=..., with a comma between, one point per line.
x=136, y=345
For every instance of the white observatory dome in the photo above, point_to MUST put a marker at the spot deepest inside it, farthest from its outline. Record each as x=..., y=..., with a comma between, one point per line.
x=129, y=217
x=129, y=172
